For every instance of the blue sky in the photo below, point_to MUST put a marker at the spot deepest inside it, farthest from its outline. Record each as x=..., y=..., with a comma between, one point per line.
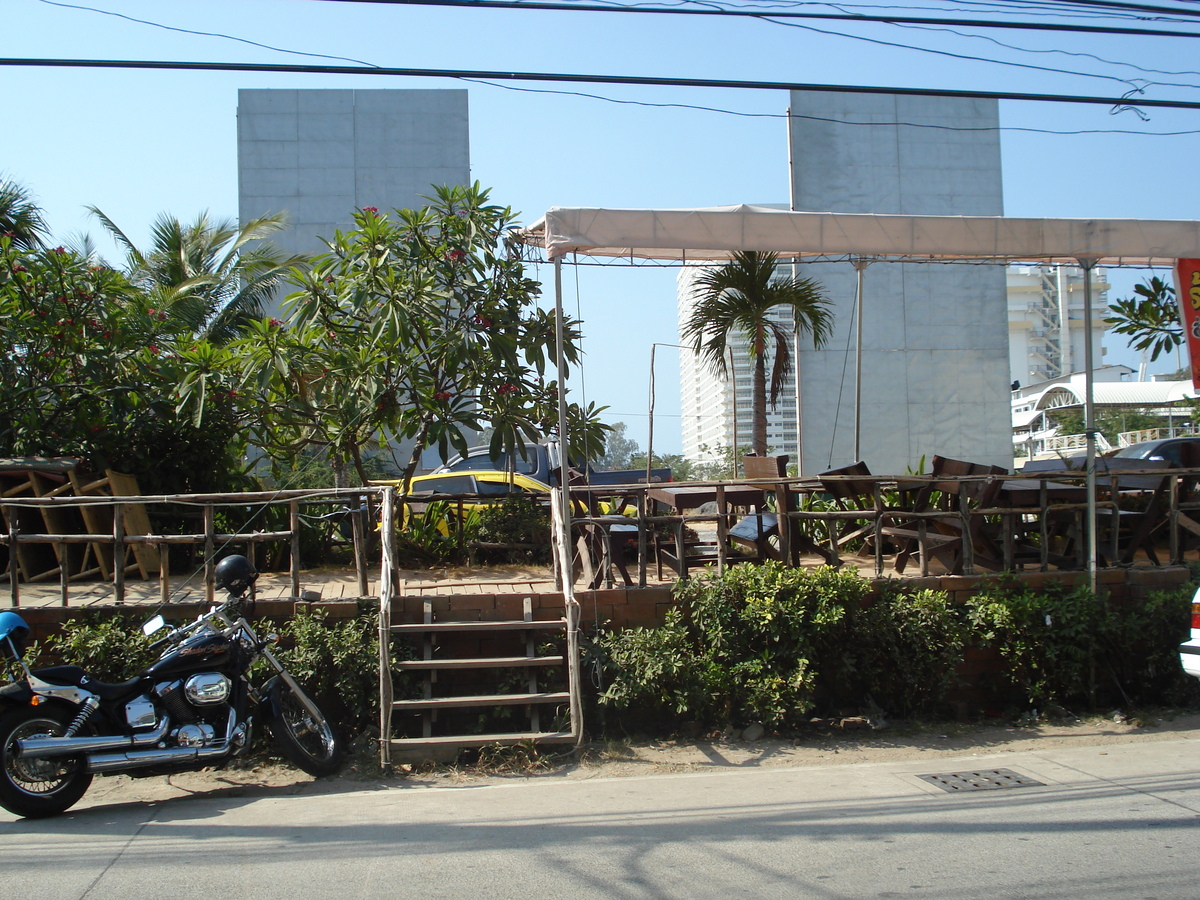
x=137, y=143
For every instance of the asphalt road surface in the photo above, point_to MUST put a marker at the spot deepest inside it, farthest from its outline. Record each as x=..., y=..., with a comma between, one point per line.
x=1106, y=821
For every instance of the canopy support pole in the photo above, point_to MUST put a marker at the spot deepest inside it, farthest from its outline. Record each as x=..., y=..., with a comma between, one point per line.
x=572, y=608
x=1089, y=421
x=791, y=143
x=860, y=268
x=650, y=419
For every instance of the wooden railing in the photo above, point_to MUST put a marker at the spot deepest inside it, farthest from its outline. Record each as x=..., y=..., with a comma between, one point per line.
x=131, y=531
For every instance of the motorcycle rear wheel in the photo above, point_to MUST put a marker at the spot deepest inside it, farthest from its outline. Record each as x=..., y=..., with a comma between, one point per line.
x=309, y=743
x=38, y=787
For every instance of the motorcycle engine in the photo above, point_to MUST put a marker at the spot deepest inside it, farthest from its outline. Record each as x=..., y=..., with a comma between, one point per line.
x=198, y=706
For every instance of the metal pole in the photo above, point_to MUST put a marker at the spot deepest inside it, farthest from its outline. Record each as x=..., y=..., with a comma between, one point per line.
x=733, y=384
x=564, y=478
x=650, y=425
x=1089, y=421
x=791, y=139
x=571, y=605
x=860, y=266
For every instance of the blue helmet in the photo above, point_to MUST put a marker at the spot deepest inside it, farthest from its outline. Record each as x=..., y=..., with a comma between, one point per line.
x=14, y=629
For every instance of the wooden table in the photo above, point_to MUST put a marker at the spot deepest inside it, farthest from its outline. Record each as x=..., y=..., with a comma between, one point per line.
x=693, y=497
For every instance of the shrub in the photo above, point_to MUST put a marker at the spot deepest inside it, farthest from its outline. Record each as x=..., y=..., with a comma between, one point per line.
x=517, y=519
x=1140, y=650
x=1049, y=639
x=741, y=651
x=654, y=671
x=899, y=653
x=337, y=663
x=110, y=648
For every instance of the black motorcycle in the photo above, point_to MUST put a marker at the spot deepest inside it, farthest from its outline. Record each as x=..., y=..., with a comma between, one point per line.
x=194, y=708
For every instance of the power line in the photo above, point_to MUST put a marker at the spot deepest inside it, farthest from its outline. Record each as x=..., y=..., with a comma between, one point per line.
x=768, y=15
x=1140, y=85
x=1131, y=7
x=636, y=80
x=639, y=81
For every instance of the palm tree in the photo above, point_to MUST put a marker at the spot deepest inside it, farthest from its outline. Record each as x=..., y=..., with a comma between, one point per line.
x=734, y=300
x=207, y=275
x=20, y=217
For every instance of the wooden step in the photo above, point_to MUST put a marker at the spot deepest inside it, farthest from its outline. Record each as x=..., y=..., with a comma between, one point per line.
x=431, y=627
x=482, y=740
x=492, y=662
x=482, y=700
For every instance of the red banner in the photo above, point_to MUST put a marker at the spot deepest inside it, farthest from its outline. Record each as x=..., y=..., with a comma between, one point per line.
x=1187, y=292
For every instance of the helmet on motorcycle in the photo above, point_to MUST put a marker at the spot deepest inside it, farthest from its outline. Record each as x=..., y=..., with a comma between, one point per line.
x=235, y=574
x=13, y=634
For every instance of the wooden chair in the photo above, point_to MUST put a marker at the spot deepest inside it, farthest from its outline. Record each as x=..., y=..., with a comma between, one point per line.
x=957, y=534
x=792, y=542
x=853, y=495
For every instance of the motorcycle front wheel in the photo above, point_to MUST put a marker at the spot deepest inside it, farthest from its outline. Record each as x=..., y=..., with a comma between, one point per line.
x=306, y=741
x=38, y=787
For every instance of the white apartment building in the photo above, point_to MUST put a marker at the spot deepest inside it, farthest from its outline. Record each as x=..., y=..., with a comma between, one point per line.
x=1046, y=332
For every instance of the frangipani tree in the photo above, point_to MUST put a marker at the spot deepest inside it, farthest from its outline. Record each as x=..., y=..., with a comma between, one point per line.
x=90, y=371
x=420, y=325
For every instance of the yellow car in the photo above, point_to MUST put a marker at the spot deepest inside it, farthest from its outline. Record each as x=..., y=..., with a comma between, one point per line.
x=446, y=487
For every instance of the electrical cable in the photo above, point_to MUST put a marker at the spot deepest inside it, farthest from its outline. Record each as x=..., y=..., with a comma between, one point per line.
x=216, y=34
x=747, y=14
x=636, y=80
x=1139, y=87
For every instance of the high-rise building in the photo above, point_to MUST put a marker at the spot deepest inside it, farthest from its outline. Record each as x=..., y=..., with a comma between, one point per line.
x=1046, y=332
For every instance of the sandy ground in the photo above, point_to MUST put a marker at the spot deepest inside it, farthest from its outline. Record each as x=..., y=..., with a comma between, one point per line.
x=828, y=744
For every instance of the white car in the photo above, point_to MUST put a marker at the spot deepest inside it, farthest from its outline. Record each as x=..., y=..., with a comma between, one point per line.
x=1189, y=653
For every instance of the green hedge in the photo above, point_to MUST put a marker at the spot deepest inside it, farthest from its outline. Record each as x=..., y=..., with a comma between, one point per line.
x=773, y=645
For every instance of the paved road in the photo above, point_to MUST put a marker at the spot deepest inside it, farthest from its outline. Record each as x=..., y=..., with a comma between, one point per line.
x=1109, y=821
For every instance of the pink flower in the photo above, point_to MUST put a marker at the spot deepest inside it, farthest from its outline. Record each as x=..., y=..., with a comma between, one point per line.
x=273, y=323
x=442, y=395
x=456, y=255
x=19, y=268
x=371, y=209
x=482, y=321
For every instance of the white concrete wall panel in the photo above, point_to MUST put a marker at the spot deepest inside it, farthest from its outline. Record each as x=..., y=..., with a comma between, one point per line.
x=935, y=337
x=318, y=155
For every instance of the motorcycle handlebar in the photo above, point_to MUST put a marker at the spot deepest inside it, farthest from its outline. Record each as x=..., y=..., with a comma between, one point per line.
x=232, y=606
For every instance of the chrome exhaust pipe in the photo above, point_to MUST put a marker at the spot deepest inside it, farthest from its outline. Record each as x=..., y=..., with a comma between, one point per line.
x=101, y=763
x=121, y=762
x=45, y=747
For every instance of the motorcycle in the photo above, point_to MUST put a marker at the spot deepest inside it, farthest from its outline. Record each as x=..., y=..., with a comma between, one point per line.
x=193, y=708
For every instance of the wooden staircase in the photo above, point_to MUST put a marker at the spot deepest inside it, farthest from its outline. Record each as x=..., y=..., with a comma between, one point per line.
x=435, y=741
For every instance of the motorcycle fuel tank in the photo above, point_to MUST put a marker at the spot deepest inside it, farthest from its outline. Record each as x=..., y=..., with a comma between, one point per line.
x=203, y=651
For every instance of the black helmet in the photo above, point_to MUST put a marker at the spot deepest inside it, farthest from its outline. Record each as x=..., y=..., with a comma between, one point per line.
x=235, y=574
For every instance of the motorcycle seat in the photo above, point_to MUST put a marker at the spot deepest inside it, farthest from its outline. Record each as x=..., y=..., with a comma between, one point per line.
x=77, y=677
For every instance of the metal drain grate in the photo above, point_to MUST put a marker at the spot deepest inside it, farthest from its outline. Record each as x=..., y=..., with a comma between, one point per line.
x=984, y=780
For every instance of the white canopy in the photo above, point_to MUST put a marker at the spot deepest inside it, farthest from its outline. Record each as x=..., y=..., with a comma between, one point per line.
x=716, y=233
